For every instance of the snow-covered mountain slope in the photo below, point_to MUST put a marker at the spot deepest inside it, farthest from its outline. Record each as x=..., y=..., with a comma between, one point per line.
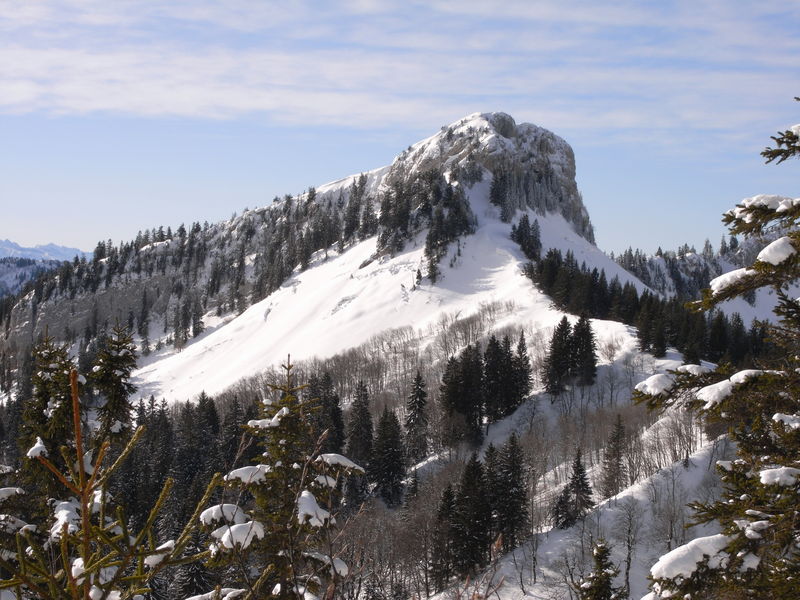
x=341, y=302
x=40, y=252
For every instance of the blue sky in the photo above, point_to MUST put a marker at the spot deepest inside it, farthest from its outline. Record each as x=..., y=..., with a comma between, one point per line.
x=119, y=116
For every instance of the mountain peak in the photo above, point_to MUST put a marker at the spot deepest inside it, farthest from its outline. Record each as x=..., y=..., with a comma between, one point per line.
x=536, y=165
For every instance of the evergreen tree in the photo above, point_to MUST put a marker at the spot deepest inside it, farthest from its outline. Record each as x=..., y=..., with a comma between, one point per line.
x=417, y=420
x=614, y=475
x=471, y=520
x=575, y=499
x=46, y=416
x=193, y=578
x=559, y=361
x=359, y=445
x=278, y=545
x=496, y=382
x=387, y=465
x=512, y=509
x=584, y=353
x=599, y=583
x=359, y=427
x=461, y=392
x=442, y=549
x=110, y=376
x=493, y=476
x=521, y=371
x=327, y=412
x=98, y=555
x=659, y=346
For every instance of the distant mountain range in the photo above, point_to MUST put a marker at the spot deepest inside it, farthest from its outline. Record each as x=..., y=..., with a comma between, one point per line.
x=41, y=252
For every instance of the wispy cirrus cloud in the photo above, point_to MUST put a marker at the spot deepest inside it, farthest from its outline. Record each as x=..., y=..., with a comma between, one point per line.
x=625, y=66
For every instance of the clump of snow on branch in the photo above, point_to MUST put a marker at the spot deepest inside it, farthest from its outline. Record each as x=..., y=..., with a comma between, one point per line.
x=11, y=524
x=66, y=514
x=6, y=493
x=715, y=393
x=249, y=474
x=779, y=204
x=37, y=449
x=683, y=560
x=752, y=529
x=337, y=565
x=240, y=535
x=656, y=385
x=777, y=252
x=160, y=554
x=269, y=423
x=326, y=481
x=224, y=594
x=695, y=370
x=228, y=513
x=718, y=284
x=785, y=476
x=333, y=459
x=309, y=510
x=789, y=421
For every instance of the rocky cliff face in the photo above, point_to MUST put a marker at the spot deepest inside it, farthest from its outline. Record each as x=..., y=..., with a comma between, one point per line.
x=537, y=166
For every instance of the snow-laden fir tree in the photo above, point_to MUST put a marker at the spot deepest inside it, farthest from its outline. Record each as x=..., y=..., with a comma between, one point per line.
x=442, y=546
x=47, y=415
x=584, y=353
x=757, y=552
x=110, y=377
x=559, y=359
x=512, y=506
x=497, y=380
x=599, y=583
x=328, y=417
x=522, y=370
x=280, y=545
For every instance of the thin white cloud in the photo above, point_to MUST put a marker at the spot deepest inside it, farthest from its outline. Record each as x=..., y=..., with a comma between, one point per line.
x=621, y=68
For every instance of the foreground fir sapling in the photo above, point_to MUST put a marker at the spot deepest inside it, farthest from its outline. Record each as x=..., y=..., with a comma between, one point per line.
x=274, y=531
x=85, y=549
